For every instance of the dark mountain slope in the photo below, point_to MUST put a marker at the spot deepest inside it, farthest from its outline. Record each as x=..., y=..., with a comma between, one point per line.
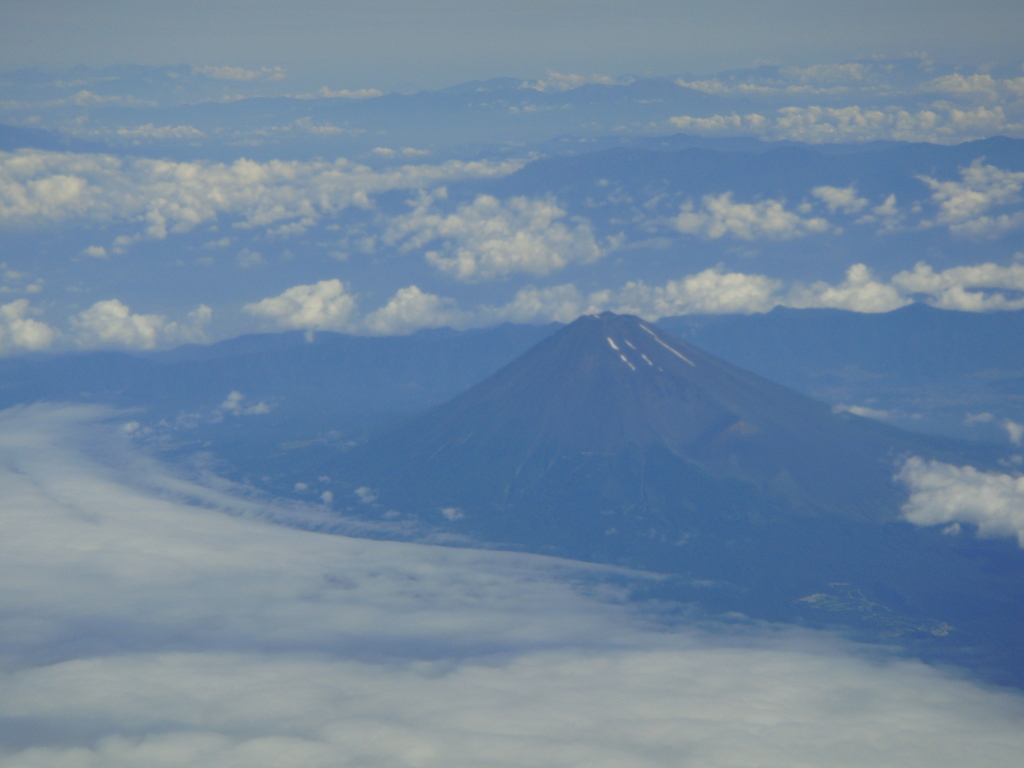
x=611, y=441
x=615, y=389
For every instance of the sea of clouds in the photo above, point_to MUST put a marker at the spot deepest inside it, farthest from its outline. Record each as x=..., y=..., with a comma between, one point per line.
x=151, y=621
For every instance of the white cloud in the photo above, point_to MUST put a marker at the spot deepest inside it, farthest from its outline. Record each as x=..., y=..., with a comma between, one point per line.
x=943, y=493
x=235, y=404
x=712, y=291
x=964, y=205
x=859, y=292
x=942, y=124
x=860, y=410
x=557, y=303
x=557, y=81
x=752, y=123
x=144, y=631
x=150, y=131
x=388, y=152
x=852, y=71
x=327, y=93
x=719, y=87
x=978, y=418
x=240, y=73
x=39, y=188
x=842, y=199
x=858, y=79
x=411, y=309
x=965, y=85
x=323, y=306
x=111, y=323
x=19, y=332
x=1014, y=430
x=709, y=292
x=952, y=288
x=328, y=305
x=490, y=238
x=718, y=216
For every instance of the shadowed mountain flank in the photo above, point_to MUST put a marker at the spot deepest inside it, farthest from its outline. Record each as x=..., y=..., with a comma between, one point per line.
x=661, y=422
x=612, y=441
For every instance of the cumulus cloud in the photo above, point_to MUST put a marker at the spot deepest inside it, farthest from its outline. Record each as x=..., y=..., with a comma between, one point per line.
x=977, y=288
x=854, y=79
x=235, y=403
x=557, y=81
x=241, y=73
x=941, y=124
x=814, y=79
x=323, y=306
x=719, y=216
x=146, y=630
x=715, y=291
x=965, y=205
x=111, y=323
x=942, y=493
x=150, y=131
x=859, y=292
x=19, y=332
x=328, y=305
x=411, y=309
x=841, y=199
x=851, y=71
x=709, y=292
x=978, y=85
x=162, y=196
x=343, y=93
x=557, y=303
x=490, y=238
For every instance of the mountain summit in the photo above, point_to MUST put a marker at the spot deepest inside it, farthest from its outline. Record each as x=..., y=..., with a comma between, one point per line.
x=614, y=413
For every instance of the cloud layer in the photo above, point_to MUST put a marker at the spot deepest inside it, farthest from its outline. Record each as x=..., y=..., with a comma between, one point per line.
x=940, y=124
x=335, y=306
x=144, y=629
x=330, y=305
x=719, y=216
x=162, y=196
x=941, y=494
x=490, y=238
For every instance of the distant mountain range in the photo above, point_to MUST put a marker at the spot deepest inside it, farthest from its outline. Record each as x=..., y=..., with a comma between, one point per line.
x=937, y=364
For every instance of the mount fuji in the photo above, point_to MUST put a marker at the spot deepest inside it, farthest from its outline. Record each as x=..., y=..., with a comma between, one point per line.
x=612, y=441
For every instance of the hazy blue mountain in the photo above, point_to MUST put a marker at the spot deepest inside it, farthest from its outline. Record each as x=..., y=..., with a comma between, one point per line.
x=916, y=341
x=928, y=368
x=320, y=377
x=613, y=388
x=611, y=441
